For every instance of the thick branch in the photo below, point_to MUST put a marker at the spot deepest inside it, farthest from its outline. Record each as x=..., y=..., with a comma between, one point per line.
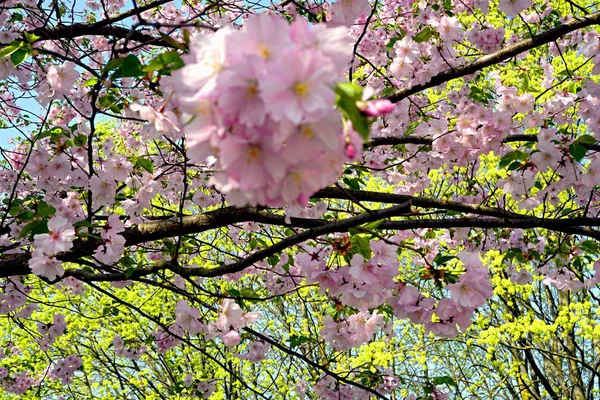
x=77, y=30
x=426, y=140
x=342, y=226
x=17, y=264
x=499, y=56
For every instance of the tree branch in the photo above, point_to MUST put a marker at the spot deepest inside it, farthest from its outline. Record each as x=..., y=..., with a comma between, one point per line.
x=499, y=56
x=426, y=140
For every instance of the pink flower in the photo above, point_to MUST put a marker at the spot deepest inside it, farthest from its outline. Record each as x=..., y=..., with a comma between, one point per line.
x=111, y=251
x=344, y=12
x=407, y=49
x=264, y=35
x=232, y=338
x=161, y=123
x=103, y=190
x=330, y=42
x=514, y=7
x=449, y=28
x=207, y=59
x=385, y=254
x=231, y=315
x=61, y=78
x=472, y=290
x=188, y=318
x=48, y=267
x=297, y=87
x=240, y=100
x=118, y=167
x=59, y=238
x=363, y=272
x=375, y=108
x=206, y=388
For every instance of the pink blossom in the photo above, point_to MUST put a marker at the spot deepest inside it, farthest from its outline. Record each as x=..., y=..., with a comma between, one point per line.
x=188, y=318
x=232, y=338
x=472, y=290
x=344, y=12
x=296, y=89
x=375, y=108
x=231, y=315
x=59, y=238
x=514, y=7
x=61, y=78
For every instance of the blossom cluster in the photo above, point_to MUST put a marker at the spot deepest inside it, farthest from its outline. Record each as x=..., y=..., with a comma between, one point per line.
x=364, y=284
x=59, y=238
x=65, y=368
x=14, y=295
x=260, y=99
x=487, y=38
x=51, y=331
x=127, y=352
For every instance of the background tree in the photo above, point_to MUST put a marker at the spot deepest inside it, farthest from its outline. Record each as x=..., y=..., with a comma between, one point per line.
x=351, y=200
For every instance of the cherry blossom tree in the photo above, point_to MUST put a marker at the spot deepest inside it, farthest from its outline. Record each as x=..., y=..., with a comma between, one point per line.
x=306, y=199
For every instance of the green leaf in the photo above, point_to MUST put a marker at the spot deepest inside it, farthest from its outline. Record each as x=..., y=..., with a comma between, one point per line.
x=34, y=228
x=249, y=293
x=167, y=62
x=514, y=165
x=352, y=183
x=131, y=67
x=296, y=340
x=577, y=151
x=350, y=90
x=80, y=140
x=90, y=82
x=424, y=35
x=371, y=226
x=524, y=81
x=361, y=244
x=511, y=156
x=590, y=246
x=587, y=139
x=113, y=64
x=347, y=94
x=169, y=40
x=441, y=259
x=390, y=44
x=387, y=91
x=444, y=380
x=253, y=243
x=31, y=37
x=19, y=56
x=11, y=48
x=145, y=164
x=81, y=224
x=45, y=210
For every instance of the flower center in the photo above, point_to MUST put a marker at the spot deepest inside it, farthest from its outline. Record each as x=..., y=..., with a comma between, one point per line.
x=301, y=89
x=252, y=91
x=253, y=153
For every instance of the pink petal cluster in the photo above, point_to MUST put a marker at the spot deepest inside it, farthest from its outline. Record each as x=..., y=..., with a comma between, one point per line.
x=188, y=318
x=49, y=332
x=260, y=99
x=364, y=284
x=231, y=319
x=59, y=238
x=257, y=351
x=113, y=247
x=65, y=368
x=487, y=38
x=127, y=352
x=514, y=7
